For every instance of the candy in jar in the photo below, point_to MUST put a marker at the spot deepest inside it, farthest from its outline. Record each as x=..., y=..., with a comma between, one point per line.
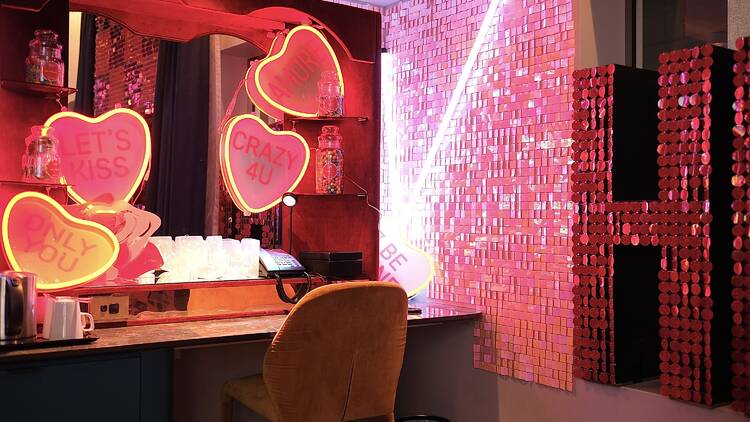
x=40, y=161
x=44, y=65
x=330, y=95
x=329, y=162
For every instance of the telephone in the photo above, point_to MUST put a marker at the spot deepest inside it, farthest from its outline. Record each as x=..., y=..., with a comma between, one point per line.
x=275, y=263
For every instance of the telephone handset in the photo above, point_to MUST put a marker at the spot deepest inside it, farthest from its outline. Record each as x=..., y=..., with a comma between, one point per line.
x=278, y=264
x=274, y=261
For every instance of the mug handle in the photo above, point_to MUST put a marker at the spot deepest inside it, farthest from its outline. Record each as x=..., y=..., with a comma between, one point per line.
x=90, y=319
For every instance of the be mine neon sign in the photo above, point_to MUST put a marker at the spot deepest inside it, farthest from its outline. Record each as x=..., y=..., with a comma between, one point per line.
x=102, y=158
x=259, y=164
x=288, y=80
x=40, y=236
x=402, y=262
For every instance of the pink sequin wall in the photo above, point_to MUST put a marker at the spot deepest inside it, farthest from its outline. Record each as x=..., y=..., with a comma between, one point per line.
x=495, y=209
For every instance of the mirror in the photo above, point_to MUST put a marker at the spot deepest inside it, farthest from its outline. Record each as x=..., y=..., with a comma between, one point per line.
x=183, y=90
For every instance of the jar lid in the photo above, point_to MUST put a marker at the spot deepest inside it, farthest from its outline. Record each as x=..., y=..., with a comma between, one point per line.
x=330, y=129
x=329, y=75
x=330, y=143
x=47, y=33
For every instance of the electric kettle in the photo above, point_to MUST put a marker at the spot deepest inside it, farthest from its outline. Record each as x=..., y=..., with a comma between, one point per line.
x=17, y=303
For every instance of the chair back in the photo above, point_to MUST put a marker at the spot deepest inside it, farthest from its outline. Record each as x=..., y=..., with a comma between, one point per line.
x=338, y=355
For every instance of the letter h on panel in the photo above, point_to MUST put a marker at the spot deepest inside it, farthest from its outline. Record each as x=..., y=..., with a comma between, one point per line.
x=651, y=236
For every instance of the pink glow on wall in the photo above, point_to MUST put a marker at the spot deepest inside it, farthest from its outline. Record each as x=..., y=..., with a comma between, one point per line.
x=494, y=211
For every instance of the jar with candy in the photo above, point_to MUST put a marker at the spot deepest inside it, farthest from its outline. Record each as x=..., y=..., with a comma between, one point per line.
x=44, y=65
x=41, y=161
x=330, y=95
x=329, y=162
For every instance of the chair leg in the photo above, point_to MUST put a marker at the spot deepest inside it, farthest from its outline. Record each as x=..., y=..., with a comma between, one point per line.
x=227, y=408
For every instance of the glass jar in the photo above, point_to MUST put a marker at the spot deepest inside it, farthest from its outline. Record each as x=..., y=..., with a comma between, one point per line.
x=44, y=65
x=41, y=161
x=330, y=96
x=329, y=162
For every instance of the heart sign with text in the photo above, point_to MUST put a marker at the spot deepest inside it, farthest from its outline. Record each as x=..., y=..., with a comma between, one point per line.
x=41, y=237
x=103, y=157
x=402, y=262
x=259, y=164
x=288, y=80
x=252, y=90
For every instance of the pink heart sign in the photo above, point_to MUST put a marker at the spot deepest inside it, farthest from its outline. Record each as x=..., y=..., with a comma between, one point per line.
x=102, y=157
x=288, y=80
x=252, y=90
x=259, y=164
x=40, y=236
x=402, y=262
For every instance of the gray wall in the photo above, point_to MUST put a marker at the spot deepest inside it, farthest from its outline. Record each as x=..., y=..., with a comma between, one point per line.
x=438, y=378
x=738, y=20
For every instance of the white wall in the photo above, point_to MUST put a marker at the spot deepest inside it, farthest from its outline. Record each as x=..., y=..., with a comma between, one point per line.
x=601, y=32
x=74, y=51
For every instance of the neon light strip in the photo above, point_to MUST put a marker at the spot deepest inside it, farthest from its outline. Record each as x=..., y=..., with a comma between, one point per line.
x=146, y=157
x=281, y=53
x=427, y=164
x=390, y=127
x=8, y=250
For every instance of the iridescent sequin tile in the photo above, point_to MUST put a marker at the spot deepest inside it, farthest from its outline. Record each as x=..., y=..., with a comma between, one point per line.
x=495, y=209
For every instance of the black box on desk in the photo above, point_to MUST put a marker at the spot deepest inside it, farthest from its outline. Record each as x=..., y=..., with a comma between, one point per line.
x=333, y=264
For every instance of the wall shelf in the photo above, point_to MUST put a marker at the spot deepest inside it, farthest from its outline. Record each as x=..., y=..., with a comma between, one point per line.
x=37, y=90
x=360, y=119
x=45, y=185
x=325, y=195
x=27, y=5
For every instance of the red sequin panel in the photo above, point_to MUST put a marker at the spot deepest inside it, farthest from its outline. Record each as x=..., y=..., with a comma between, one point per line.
x=124, y=69
x=494, y=210
x=741, y=238
x=689, y=223
x=264, y=226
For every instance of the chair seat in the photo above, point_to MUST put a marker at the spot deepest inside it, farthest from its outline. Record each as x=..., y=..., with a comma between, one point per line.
x=251, y=392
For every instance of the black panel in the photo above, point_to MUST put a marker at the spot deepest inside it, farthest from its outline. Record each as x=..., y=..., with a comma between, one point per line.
x=635, y=174
x=636, y=307
x=101, y=390
x=720, y=191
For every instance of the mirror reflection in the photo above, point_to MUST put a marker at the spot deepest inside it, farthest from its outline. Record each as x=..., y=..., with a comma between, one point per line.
x=183, y=90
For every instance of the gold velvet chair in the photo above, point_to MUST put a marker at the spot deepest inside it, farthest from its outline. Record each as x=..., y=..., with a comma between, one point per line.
x=336, y=358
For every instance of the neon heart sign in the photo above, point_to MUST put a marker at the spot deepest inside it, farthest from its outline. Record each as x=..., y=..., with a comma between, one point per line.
x=40, y=236
x=402, y=262
x=252, y=90
x=102, y=157
x=288, y=80
x=259, y=164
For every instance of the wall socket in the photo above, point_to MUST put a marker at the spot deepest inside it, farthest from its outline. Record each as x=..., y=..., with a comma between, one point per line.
x=110, y=307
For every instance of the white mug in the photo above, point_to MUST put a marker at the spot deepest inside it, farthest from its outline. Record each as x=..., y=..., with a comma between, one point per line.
x=64, y=320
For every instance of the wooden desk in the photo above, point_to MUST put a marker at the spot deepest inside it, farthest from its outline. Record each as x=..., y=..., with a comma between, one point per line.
x=130, y=369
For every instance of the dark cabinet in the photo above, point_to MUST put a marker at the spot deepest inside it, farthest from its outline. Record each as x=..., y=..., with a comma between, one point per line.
x=112, y=388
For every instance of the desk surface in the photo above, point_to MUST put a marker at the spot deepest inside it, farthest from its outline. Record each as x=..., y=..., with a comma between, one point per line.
x=212, y=332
